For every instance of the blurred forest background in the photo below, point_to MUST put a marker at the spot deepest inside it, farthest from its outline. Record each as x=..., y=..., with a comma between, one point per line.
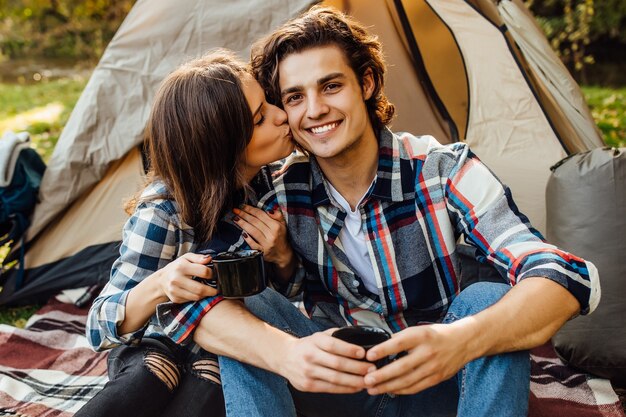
x=49, y=47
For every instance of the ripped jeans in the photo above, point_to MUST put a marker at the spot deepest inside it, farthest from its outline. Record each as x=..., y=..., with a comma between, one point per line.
x=157, y=378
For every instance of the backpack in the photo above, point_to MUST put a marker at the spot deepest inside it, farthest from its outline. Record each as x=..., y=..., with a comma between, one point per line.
x=21, y=170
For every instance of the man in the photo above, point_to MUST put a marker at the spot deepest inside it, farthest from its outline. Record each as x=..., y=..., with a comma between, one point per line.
x=375, y=217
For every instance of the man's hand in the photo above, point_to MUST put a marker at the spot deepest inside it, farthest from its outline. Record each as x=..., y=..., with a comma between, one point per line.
x=322, y=363
x=434, y=353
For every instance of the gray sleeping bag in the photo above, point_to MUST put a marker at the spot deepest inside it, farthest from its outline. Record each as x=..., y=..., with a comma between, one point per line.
x=586, y=215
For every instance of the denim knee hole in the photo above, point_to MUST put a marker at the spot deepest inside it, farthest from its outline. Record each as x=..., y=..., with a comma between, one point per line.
x=163, y=368
x=208, y=370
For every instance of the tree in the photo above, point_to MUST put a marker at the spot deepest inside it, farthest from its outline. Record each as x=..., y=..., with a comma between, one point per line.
x=573, y=25
x=59, y=28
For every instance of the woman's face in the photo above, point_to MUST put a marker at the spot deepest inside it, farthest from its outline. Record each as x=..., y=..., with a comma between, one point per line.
x=271, y=139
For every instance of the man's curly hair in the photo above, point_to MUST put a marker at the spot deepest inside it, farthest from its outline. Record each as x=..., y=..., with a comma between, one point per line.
x=324, y=26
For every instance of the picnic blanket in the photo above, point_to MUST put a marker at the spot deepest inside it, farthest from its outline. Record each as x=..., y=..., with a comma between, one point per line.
x=47, y=369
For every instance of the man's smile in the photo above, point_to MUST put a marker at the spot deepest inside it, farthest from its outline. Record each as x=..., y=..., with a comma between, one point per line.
x=325, y=128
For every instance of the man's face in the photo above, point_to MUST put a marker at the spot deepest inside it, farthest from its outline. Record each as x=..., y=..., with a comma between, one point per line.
x=324, y=102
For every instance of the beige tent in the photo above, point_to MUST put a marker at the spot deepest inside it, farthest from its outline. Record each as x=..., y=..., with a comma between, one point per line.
x=458, y=69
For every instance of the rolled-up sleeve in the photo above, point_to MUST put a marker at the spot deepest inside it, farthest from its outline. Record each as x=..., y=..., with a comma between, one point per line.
x=483, y=210
x=149, y=243
x=179, y=321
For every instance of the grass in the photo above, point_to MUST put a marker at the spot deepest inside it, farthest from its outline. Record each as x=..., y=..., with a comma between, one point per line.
x=42, y=109
x=17, y=316
x=608, y=107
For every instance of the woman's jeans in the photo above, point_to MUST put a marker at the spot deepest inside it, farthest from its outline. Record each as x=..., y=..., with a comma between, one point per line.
x=490, y=386
x=171, y=386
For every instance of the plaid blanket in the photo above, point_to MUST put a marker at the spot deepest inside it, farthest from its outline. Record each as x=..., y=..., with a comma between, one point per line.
x=47, y=369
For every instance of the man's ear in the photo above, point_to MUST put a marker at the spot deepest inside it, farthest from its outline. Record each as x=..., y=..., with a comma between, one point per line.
x=368, y=84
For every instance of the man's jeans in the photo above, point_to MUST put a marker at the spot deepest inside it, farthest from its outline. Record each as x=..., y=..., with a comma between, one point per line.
x=491, y=386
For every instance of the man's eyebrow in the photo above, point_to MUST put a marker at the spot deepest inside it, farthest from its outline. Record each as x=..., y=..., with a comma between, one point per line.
x=323, y=80
x=329, y=77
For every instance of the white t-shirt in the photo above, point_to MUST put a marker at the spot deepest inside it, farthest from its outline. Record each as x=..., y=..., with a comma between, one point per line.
x=352, y=238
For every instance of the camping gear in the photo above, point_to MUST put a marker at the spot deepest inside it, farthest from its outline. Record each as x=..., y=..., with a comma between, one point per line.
x=21, y=169
x=238, y=274
x=473, y=70
x=48, y=369
x=586, y=202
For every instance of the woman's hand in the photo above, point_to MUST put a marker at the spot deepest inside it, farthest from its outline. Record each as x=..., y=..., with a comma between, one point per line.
x=267, y=232
x=173, y=282
x=176, y=278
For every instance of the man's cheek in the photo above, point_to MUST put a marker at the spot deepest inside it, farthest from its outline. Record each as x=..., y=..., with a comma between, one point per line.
x=304, y=146
x=300, y=143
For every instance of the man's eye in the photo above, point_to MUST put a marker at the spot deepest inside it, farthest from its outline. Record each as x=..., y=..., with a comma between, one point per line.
x=332, y=86
x=293, y=98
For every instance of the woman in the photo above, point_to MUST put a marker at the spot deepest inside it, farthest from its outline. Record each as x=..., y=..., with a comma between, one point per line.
x=209, y=135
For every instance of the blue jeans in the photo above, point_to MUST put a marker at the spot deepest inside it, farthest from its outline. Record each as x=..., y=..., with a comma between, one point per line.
x=489, y=386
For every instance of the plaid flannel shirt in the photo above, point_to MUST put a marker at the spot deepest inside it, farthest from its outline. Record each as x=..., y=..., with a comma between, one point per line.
x=424, y=198
x=154, y=236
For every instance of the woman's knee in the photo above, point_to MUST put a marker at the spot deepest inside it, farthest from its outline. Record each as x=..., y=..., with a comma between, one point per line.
x=163, y=367
x=207, y=370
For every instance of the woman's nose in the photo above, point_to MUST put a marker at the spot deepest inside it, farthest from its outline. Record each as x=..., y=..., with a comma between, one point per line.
x=280, y=117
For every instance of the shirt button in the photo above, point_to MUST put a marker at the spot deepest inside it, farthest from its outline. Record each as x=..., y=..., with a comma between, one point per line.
x=355, y=282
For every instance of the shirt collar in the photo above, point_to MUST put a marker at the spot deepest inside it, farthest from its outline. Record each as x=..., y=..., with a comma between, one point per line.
x=394, y=176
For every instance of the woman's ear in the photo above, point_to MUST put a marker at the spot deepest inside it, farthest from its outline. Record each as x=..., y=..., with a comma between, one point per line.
x=368, y=84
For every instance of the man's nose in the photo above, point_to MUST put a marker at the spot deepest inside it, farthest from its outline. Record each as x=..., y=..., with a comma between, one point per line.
x=315, y=107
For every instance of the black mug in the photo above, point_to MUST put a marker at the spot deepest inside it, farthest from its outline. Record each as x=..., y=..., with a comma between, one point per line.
x=364, y=336
x=238, y=274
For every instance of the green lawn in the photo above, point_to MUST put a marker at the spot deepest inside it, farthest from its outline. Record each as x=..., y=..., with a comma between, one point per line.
x=44, y=107
x=608, y=107
x=16, y=316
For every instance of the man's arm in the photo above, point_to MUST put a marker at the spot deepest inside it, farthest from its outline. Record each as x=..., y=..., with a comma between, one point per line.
x=527, y=316
x=317, y=363
x=550, y=285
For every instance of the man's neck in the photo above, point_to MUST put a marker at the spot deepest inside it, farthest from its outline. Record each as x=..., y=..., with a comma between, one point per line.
x=353, y=171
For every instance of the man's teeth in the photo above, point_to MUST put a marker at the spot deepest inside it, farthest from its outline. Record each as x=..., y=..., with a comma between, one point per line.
x=322, y=129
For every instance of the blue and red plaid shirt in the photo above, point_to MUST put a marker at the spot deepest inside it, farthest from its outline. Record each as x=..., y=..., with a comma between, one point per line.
x=424, y=198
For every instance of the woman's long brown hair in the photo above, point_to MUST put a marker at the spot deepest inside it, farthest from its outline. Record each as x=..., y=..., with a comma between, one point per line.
x=196, y=135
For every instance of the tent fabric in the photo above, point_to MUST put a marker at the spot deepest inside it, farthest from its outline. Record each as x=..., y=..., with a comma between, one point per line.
x=96, y=218
x=439, y=54
x=507, y=127
x=586, y=200
x=553, y=75
x=83, y=243
x=110, y=115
